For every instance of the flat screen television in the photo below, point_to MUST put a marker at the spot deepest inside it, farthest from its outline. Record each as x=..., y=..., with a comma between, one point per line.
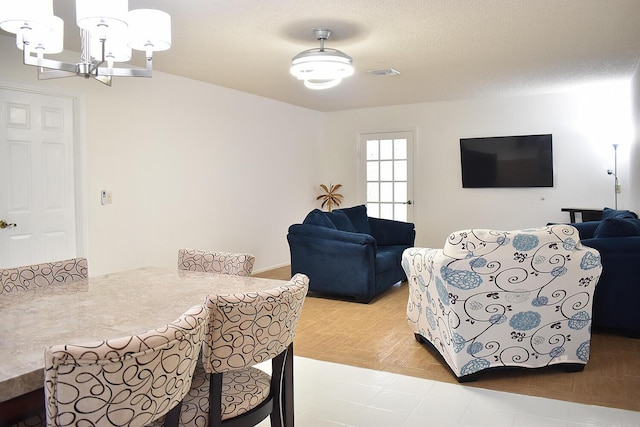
x=507, y=161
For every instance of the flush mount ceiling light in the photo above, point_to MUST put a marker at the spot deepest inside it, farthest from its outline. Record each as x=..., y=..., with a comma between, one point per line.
x=321, y=68
x=108, y=32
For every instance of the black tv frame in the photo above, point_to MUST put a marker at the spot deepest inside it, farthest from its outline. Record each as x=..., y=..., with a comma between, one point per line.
x=519, y=161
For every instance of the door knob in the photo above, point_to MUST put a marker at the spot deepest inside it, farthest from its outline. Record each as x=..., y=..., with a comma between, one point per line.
x=5, y=224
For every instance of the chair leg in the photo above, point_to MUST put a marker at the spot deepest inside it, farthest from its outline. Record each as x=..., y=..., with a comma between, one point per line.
x=277, y=389
x=172, y=419
x=215, y=400
x=287, y=389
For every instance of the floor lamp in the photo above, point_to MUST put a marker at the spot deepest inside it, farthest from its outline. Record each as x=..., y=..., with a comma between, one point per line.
x=614, y=172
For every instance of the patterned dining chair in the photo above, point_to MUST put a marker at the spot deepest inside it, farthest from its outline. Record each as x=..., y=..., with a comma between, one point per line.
x=240, y=264
x=41, y=276
x=244, y=330
x=129, y=381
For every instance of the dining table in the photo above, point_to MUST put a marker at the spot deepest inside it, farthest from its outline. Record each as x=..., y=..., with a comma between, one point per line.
x=100, y=308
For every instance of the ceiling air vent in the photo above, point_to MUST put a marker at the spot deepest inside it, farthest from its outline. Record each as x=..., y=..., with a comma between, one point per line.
x=384, y=72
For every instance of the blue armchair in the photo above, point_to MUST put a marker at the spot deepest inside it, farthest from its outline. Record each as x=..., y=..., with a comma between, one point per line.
x=347, y=253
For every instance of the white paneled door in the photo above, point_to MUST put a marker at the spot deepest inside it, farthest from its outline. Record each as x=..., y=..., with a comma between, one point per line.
x=386, y=165
x=37, y=197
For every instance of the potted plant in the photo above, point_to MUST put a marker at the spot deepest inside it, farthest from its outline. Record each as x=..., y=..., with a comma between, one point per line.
x=330, y=197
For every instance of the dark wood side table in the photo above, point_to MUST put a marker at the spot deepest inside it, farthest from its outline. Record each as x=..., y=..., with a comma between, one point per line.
x=586, y=214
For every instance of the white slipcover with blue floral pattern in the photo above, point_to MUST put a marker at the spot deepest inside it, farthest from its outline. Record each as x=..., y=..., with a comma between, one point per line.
x=504, y=298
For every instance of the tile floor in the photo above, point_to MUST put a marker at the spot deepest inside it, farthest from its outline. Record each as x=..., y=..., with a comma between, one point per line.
x=331, y=395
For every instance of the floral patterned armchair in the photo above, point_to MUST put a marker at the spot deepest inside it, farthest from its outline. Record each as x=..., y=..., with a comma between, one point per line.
x=504, y=298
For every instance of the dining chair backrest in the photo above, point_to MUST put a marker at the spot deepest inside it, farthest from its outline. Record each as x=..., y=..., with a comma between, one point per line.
x=245, y=329
x=240, y=264
x=126, y=381
x=38, y=276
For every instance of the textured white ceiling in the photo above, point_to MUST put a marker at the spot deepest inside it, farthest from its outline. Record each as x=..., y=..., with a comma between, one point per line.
x=444, y=49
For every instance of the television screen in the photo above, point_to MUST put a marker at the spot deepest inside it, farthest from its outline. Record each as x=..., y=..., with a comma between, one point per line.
x=507, y=161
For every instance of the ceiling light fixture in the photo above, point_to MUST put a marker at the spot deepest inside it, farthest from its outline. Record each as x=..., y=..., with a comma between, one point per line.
x=108, y=32
x=321, y=68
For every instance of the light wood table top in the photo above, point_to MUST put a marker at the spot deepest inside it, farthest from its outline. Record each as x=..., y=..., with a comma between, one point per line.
x=98, y=308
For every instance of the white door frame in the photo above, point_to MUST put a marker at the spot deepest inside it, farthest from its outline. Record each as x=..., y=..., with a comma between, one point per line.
x=362, y=160
x=81, y=183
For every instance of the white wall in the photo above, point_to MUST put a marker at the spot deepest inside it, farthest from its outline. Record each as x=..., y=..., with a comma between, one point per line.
x=584, y=124
x=197, y=165
x=189, y=165
x=634, y=150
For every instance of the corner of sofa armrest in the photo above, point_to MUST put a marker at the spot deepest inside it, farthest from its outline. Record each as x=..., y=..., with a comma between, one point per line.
x=610, y=245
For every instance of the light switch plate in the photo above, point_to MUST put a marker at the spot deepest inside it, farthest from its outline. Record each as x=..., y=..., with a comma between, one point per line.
x=106, y=198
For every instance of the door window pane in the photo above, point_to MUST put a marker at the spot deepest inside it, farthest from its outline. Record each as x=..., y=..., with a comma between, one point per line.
x=386, y=192
x=400, y=149
x=386, y=149
x=373, y=192
x=373, y=210
x=400, y=212
x=372, y=149
x=386, y=210
x=386, y=171
x=400, y=192
x=400, y=170
x=373, y=173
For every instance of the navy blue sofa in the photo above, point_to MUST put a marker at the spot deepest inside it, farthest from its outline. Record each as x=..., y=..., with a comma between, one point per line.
x=347, y=253
x=616, y=301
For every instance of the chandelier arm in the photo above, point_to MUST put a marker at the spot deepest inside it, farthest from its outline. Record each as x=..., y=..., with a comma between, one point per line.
x=52, y=69
x=47, y=74
x=30, y=59
x=127, y=72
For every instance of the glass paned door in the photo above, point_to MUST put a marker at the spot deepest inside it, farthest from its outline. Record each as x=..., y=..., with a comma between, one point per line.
x=387, y=166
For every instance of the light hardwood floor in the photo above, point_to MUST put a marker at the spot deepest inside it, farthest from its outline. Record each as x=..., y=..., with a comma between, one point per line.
x=376, y=336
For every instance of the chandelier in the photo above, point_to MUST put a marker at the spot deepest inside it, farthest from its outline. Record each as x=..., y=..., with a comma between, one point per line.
x=108, y=32
x=321, y=68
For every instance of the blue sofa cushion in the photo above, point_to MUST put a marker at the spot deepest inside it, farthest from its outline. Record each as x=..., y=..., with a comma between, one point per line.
x=618, y=227
x=317, y=217
x=613, y=213
x=341, y=220
x=358, y=217
x=587, y=229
